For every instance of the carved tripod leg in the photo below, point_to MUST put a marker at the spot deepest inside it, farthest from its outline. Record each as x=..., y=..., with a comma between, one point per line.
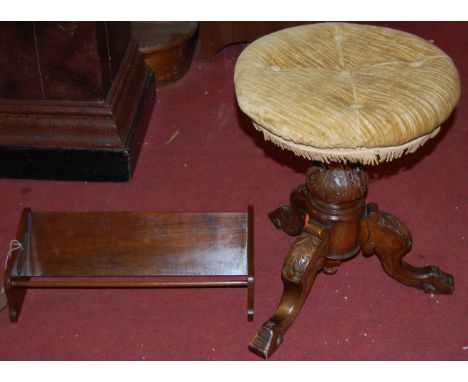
x=387, y=237
x=304, y=260
x=291, y=218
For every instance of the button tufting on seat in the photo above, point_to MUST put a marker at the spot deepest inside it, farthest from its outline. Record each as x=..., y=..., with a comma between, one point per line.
x=416, y=64
x=330, y=71
x=346, y=73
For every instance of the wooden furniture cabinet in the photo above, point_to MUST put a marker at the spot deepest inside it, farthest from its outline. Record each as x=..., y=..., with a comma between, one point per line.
x=214, y=35
x=75, y=100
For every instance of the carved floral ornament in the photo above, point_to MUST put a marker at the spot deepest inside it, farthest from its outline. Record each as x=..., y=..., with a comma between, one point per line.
x=336, y=184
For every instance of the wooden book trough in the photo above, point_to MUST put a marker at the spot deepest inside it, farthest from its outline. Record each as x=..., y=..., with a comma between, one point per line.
x=130, y=250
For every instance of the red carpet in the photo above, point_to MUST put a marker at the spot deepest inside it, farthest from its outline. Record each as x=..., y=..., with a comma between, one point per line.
x=218, y=162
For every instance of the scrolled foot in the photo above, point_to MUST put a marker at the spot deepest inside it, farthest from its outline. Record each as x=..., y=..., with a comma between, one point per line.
x=266, y=340
x=305, y=259
x=437, y=281
x=387, y=237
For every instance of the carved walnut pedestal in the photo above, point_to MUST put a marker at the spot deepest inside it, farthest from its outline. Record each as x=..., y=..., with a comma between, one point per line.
x=340, y=225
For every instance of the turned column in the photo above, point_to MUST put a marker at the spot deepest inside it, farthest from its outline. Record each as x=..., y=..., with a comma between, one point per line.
x=329, y=215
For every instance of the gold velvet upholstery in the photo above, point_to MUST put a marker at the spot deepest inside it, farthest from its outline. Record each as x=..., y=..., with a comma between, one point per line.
x=346, y=92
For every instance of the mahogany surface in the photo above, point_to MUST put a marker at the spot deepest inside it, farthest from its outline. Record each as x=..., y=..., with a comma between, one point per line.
x=137, y=244
x=123, y=249
x=214, y=35
x=333, y=224
x=73, y=96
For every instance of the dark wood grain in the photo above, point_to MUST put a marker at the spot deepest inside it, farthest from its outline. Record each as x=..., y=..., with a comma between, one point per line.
x=65, y=60
x=338, y=225
x=19, y=69
x=68, y=57
x=113, y=44
x=214, y=35
x=123, y=249
x=125, y=284
x=137, y=244
x=101, y=88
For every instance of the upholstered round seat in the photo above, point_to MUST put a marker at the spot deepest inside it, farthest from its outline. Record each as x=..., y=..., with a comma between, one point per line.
x=346, y=92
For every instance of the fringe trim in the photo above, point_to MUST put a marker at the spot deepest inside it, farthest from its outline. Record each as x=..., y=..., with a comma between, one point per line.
x=358, y=155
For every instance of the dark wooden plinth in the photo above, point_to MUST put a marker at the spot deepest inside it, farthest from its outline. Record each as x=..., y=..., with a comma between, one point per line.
x=67, y=164
x=75, y=101
x=92, y=163
x=333, y=224
x=130, y=250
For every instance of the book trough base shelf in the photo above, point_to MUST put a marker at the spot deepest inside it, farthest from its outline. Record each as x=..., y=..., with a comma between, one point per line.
x=130, y=250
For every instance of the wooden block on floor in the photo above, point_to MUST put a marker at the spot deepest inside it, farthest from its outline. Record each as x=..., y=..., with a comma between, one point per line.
x=167, y=46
